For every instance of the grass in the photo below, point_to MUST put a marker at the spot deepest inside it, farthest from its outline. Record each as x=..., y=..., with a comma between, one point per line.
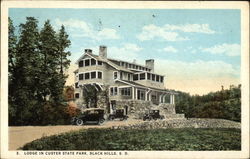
x=183, y=139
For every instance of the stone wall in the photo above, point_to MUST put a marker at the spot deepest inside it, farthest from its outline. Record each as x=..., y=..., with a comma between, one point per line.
x=136, y=109
x=183, y=123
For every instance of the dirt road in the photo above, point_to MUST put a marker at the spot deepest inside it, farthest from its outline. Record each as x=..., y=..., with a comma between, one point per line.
x=20, y=135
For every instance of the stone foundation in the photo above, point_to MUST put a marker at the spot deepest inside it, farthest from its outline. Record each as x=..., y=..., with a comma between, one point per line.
x=183, y=123
x=136, y=109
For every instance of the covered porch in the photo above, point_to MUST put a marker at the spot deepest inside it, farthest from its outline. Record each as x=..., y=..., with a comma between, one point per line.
x=134, y=91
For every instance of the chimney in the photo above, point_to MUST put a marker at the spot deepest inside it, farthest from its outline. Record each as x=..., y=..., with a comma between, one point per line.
x=89, y=51
x=103, y=51
x=150, y=64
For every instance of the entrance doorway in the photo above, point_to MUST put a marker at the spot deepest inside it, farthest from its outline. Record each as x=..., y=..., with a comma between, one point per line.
x=125, y=110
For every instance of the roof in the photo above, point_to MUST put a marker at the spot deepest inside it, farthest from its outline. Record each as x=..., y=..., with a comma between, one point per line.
x=144, y=86
x=129, y=62
x=108, y=61
x=105, y=60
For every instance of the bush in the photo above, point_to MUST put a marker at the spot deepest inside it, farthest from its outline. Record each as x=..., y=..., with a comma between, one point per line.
x=184, y=139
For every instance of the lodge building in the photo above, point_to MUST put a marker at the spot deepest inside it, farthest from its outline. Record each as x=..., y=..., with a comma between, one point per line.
x=127, y=82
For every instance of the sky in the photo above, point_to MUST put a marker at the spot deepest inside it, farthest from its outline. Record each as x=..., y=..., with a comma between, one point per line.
x=198, y=51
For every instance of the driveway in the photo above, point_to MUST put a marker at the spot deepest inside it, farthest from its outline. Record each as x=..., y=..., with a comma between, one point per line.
x=20, y=135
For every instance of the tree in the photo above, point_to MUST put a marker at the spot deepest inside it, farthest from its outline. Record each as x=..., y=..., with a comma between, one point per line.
x=36, y=81
x=63, y=44
x=22, y=88
x=12, y=41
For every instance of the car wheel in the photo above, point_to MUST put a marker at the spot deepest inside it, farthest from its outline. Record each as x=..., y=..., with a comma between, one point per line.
x=79, y=122
x=101, y=121
x=150, y=118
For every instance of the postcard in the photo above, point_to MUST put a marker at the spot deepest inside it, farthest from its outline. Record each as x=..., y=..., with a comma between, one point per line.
x=124, y=79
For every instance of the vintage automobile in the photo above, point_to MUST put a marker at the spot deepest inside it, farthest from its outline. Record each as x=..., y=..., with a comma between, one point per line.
x=91, y=115
x=118, y=114
x=153, y=115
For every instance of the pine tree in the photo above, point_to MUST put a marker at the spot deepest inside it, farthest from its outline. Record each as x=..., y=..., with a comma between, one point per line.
x=12, y=40
x=22, y=88
x=49, y=56
x=63, y=44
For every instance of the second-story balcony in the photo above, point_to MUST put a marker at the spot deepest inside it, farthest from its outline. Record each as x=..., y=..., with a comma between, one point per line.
x=94, y=76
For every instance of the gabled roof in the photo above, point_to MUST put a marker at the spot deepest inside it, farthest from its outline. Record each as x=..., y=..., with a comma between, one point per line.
x=106, y=61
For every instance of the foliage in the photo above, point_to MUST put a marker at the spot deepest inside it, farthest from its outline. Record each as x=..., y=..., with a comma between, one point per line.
x=35, y=79
x=72, y=110
x=187, y=139
x=224, y=104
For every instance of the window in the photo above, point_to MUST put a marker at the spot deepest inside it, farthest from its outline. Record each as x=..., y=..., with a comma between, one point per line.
x=77, y=95
x=142, y=76
x=148, y=76
x=76, y=85
x=129, y=65
x=161, y=79
x=126, y=91
x=93, y=62
x=115, y=75
x=136, y=67
x=121, y=75
x=113, y=91
x=135, y=77
x=81, y=64
x=140, y=94
x=80, y=76
x=139, y=67
x=87, y=62
x=86, y=76
x=153, y=77
x=100, y=75
x=157, y=78
x=129, y=77
x=99, y=62
x=93, y=75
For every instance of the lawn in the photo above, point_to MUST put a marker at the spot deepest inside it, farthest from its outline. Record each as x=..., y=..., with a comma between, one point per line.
x=183, y=139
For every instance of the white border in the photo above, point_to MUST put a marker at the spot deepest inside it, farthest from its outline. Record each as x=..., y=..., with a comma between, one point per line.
x=243, y=6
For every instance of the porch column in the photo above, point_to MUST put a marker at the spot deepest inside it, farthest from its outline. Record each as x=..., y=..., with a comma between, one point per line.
x=136, y=93
x=171, y=99
x=164, y=98
x=160, y=101
x=133, y=92
x=147, y=94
